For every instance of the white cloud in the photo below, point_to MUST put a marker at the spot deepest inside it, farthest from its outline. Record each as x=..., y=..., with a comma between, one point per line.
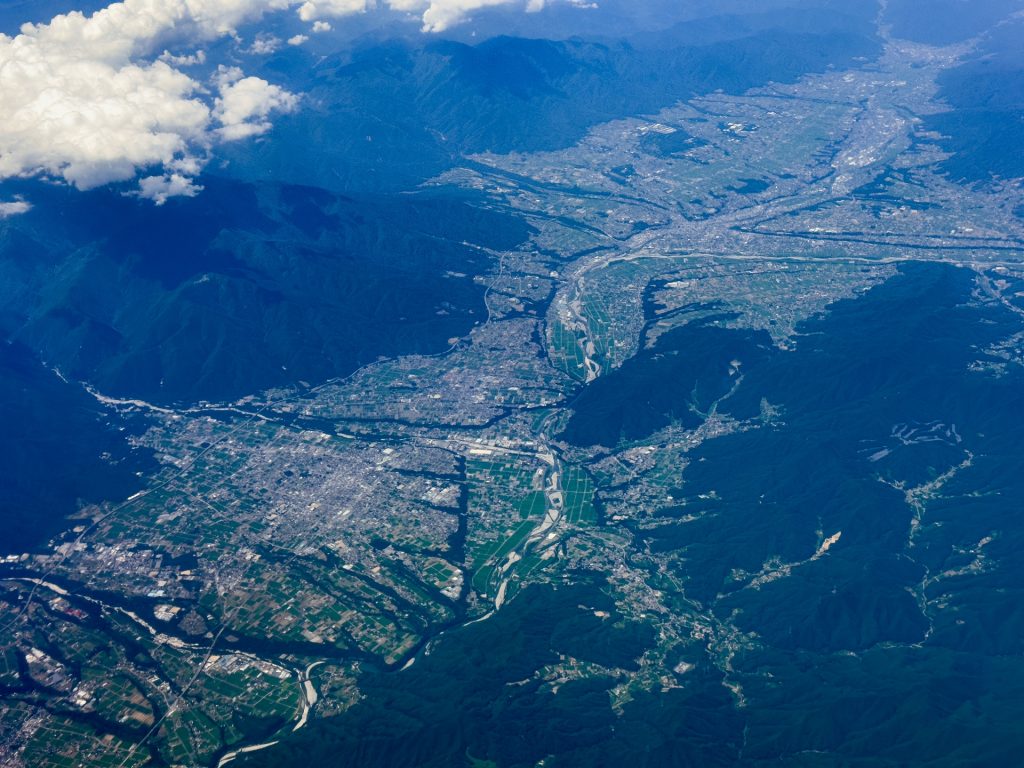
x=442, y=14
x=88, y=99
x=13, y=208
x=265, y=44
x=435, y=15
x=297, y=39
x=321, y=26
x=439, y=15
x=160, y=188
x=245, y=103
x=316, y=9
x=188, y=60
